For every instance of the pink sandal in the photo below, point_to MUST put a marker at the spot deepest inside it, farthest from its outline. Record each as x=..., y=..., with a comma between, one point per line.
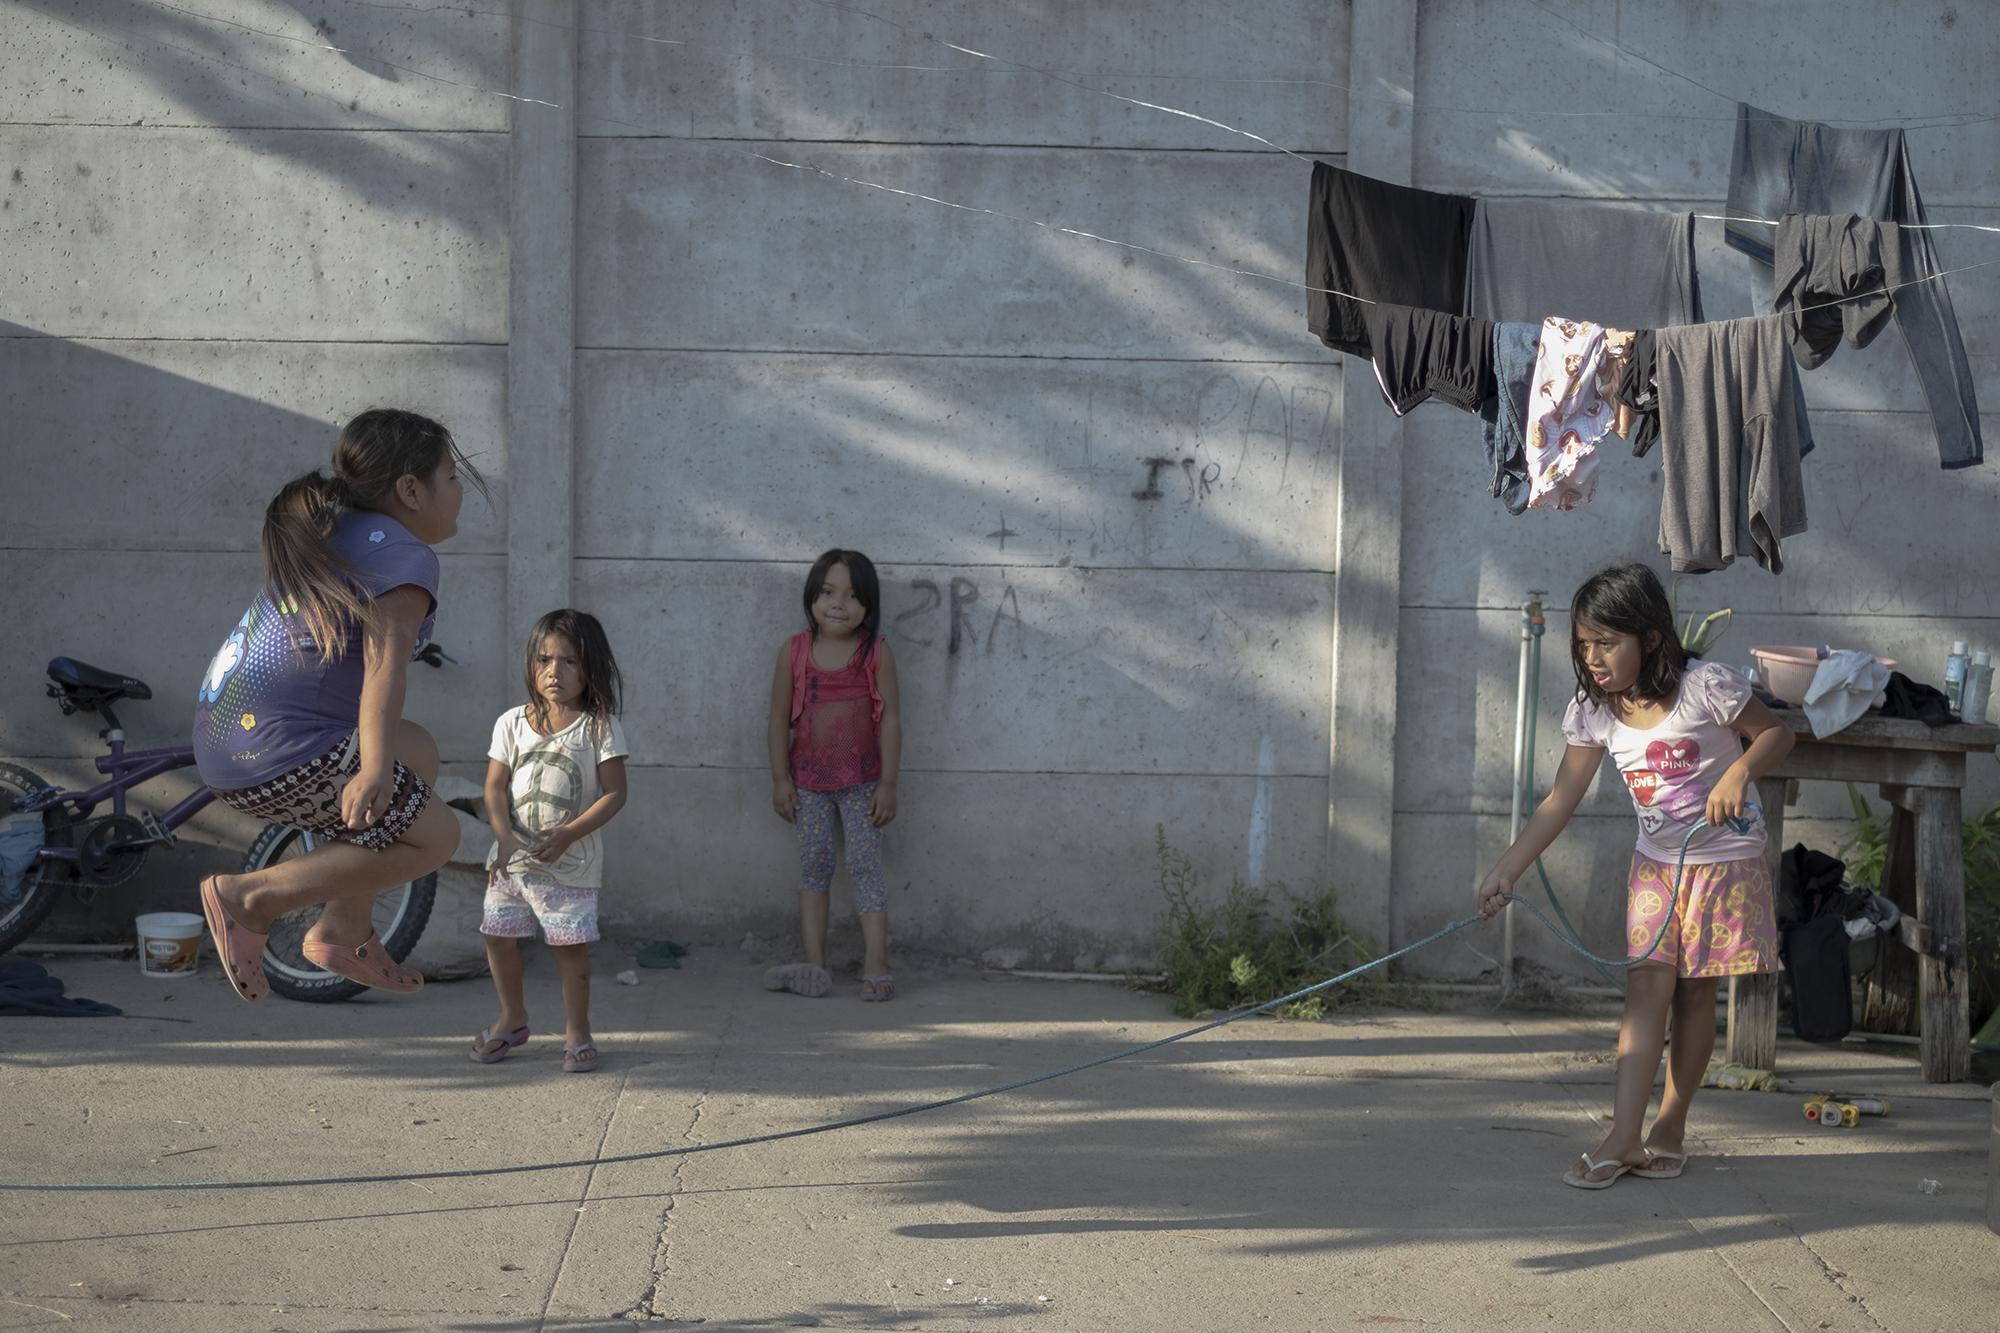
x=368, y=963
x=878, y=988
x=239, y=950
x=491, y=1047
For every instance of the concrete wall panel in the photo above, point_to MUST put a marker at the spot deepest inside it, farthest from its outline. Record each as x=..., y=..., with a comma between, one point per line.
x=1003, y=670
x=1005, y=462
x=165, y=446
x=1657, y=120
x=255, y=234
x=837, y=267
x=737, y=71
x=247, y=63
x=969, y=863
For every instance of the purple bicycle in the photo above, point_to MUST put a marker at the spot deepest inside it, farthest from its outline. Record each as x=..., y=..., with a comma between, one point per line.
x=51, y=839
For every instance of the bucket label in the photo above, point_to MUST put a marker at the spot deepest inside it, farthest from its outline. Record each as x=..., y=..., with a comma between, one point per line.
x=169, y=955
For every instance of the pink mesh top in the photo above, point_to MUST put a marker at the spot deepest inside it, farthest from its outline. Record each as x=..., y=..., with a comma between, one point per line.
x=836, y=719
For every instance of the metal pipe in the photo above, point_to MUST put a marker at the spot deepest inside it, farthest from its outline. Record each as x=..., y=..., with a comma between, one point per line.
x=1531, y=619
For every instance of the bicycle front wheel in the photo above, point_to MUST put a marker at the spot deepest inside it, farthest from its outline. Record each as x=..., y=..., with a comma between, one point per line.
x=25, y=902
x=401, y=913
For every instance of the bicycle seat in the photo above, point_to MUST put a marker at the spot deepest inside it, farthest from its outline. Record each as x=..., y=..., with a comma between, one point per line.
x=85, y=683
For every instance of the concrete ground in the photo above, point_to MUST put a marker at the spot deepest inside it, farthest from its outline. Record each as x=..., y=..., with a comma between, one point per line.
x=1389, y=1169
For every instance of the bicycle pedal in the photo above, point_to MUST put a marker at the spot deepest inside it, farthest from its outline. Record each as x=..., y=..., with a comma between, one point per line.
x=154, y=832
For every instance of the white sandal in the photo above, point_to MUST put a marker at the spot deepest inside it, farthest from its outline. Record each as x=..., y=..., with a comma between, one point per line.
x=1661, y=1165
x=1581, y=1179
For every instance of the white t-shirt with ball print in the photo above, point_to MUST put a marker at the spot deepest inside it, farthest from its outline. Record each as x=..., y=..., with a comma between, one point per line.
x=1669, y=769
x=553, y=780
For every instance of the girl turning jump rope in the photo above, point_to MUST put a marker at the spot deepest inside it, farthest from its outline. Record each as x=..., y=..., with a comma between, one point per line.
x=556, y=775
x=836, y=744
x=1676, y=730
x=300, y=717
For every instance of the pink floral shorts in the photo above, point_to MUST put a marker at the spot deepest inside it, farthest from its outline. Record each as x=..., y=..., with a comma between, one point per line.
x=1725, y=917
x=516, y=903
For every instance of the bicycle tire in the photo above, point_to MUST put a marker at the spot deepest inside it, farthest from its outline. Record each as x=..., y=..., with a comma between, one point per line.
x=401, y=912
x=39, y=884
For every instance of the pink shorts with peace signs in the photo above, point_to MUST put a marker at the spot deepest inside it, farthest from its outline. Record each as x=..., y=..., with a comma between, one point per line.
x=1725, y=917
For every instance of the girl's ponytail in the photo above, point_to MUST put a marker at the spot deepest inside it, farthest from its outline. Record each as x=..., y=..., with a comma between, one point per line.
x=301, y=573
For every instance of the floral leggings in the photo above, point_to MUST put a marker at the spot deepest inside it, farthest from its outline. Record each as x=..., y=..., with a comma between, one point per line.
x=817, y=813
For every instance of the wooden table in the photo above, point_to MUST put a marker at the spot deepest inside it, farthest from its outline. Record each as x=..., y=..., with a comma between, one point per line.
x=1920, y=772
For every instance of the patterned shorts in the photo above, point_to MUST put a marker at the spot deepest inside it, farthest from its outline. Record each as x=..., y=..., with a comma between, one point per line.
x=1725, y=920
x=308, y=798
x=515, y=902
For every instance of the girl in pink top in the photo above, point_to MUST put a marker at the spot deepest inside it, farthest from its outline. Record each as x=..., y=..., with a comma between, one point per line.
x=1690, y=743
x=836, y=744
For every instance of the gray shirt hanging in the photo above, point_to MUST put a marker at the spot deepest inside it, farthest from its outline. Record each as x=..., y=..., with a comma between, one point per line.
x=1611, y=264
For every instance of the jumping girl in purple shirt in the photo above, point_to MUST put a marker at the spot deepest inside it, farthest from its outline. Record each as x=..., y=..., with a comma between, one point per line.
x=299, y=720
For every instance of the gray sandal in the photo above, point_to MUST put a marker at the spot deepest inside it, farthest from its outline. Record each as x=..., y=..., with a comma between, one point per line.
x=800, y=979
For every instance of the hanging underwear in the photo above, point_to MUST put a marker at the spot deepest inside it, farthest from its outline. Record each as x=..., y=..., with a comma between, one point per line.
x=1425, y=354
x=1817, y=261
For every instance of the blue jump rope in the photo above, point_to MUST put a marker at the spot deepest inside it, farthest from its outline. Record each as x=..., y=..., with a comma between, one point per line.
x=1567, y=936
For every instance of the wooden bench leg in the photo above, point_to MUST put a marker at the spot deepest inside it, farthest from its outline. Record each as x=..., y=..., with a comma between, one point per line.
x=1890, y=1000
x=1753, y=1000
x=1946, y=1026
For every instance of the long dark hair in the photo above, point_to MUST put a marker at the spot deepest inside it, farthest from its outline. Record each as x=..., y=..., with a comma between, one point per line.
x=375, y=451
x=602, y=684
x=1630, y=600
x=867, y=587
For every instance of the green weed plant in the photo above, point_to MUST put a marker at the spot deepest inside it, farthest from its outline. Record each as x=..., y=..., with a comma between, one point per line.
x=1247, y=948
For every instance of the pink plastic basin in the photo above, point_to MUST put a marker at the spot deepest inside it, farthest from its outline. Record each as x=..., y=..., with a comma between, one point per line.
x=1788, y=669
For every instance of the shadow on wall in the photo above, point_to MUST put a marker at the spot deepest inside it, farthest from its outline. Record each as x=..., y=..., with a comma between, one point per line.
x=130, y=544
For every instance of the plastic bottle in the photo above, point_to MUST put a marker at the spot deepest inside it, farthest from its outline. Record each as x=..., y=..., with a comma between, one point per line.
x=1978, y=687
x=1954, y=674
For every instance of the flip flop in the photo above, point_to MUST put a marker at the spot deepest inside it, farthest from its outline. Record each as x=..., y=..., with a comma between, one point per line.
x=1674, y=1164
x=368, y=963
x=573, y=1061
x=239, y=950
x=878, y=988
x=1581, y=1179
x=800, y=979
x=507, y=1042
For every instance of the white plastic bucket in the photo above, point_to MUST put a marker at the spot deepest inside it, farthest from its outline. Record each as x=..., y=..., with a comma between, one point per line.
x=169, y=943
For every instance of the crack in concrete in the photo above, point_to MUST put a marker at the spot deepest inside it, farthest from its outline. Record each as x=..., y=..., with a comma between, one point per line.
x=1555, y=1077
x=1836, y=1276
x=582, y=1201
x=647, y=1306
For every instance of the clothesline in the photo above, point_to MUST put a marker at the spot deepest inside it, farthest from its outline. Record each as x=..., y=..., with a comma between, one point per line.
x=1907, y=226
x=1253, y=273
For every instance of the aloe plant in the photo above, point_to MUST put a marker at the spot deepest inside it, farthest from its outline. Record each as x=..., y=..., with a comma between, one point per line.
x=1699, y=636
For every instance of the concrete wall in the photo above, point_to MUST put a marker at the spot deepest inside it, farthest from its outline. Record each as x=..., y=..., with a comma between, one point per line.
x=1091, y=645
x=1106, y=490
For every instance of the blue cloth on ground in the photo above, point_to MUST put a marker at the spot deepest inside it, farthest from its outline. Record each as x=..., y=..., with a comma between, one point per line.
x=27, y=990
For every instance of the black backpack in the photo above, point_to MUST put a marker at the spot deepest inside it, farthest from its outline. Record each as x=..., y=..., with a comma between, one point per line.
x=1812, y=939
